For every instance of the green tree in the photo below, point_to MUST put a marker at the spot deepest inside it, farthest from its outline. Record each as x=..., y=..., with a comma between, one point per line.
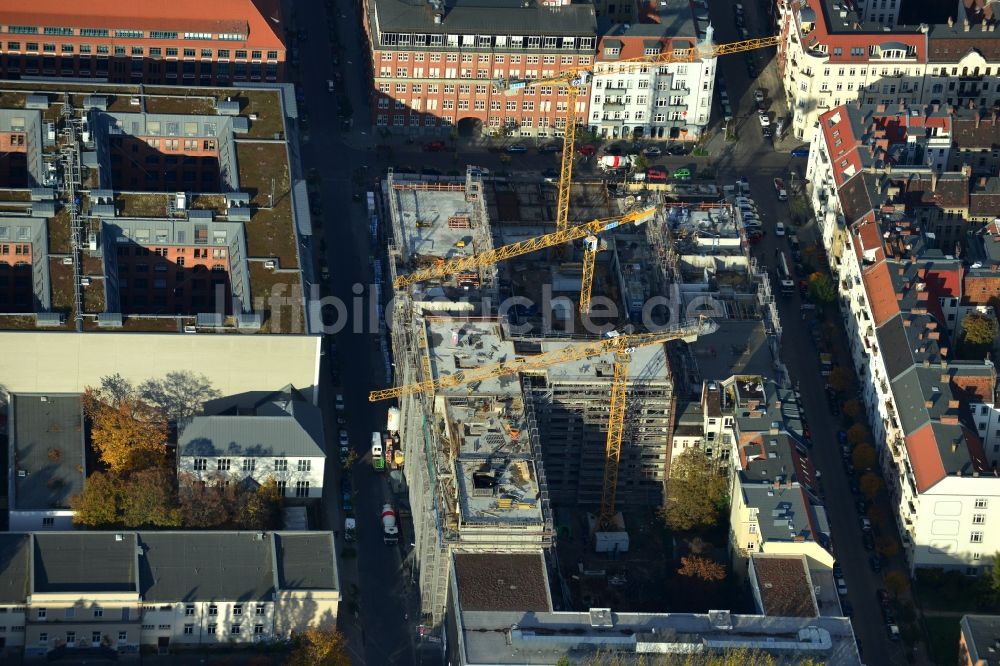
x=864, y=456
x=870, y=484
x=319, y=646
x=696, y=492
x=840, y=379
x=821, y=288
x=857, y=434
x=978, y=334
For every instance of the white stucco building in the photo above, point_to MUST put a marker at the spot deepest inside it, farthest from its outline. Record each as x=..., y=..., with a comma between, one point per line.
x=257, y=436
x=640, y=101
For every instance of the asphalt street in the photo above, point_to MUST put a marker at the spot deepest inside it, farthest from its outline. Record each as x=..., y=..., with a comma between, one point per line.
x=384, y=631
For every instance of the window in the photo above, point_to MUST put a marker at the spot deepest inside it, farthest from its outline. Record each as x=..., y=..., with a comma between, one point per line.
x=188, y=610
x=122, y=636
x=282, y=486
x=42, y=613
x=240, y=53
x=981, y=503
x=272, y=55
x=260, y=609
x=70, y=637
x=95, y=636
x=976, y=537
x=249, y=464
x=48, y=522
x=238, y=609
x=280, y=465
x=978, y=518
x=43, y=638
x=159, y=34
x=211, y=630
x=213, y=610
x=188, y=629
x=222, y=464
x=258, y=629
x=129, y=34
x=22, y=30
x=305, y=465
x=93, y=32
x=98, y=612
x=188, y=53
x=302, y=489
x=58, y=31
x=235, y=630
x=200, y=464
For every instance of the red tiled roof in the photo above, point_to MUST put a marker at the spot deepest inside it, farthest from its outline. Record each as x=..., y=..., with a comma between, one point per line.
x=855, y=38
x=259, y=19
x=925, y=459
x=634, y=46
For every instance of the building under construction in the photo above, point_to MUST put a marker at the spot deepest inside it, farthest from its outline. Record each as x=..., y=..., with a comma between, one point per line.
x=487, y=460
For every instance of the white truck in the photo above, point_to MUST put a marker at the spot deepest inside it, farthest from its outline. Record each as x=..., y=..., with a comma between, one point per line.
x=378, y=453
x=390, y=530
x=612, y=162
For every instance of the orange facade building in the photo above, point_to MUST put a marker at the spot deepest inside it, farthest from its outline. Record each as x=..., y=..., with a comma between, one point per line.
x=184, y=42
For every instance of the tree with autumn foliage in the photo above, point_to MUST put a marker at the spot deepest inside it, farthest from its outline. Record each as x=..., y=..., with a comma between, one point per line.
x=696, y=492
x=144, y=498
x=127, y=432
x=702, y=568
x=211, y=503
x=870, y=484
x=319, y=646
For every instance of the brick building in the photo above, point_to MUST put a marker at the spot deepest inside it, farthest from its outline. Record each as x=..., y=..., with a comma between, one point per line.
x=184, y=42
x=434, y=65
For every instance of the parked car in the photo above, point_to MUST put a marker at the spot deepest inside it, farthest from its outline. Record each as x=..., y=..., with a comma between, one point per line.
x=550, y=148
x=517, y=148
x=682, y=174
x=779, y=229
x=434, y=146
x=841, y=586
x=656, y=174
x=764, y=119
x=758, y=95
x=586, y=150
x=344, y=441
x=882, y=596
x=801, y=151
x=875, y=563
x=846, y=606
x=866, y=524
x=653, y=151
x=678, y=149
x=329, y=86
x=868, y=540
x=339, y=402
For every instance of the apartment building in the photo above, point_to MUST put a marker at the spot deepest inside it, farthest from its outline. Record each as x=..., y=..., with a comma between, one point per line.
x=435, y=65
x=112, y=593
x=107, y=263
x=978, y=639
x=187, y=43
x=834, y=53
x=634, y=101
x=278, y=436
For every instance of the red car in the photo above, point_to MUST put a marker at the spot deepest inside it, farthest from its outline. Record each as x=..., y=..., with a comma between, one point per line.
x=656, y=175
x=587, y=150
x=434, y=146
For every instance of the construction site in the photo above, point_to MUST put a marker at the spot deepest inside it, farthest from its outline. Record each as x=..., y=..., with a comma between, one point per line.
x=520, y=425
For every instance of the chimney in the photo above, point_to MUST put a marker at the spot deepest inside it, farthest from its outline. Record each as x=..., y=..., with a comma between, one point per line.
x=967, y=168
x=965, y=25
x=954, y=447
x=951, y=22
x=978, y=119
x=928, y=404
x=934, y=178
x=982, y=181
x=945, y=378
x=953, y=404
x=992, y=27
x=944, y=352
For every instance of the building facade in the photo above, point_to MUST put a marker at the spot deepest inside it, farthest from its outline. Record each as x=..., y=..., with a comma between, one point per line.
x=833, y=54
x=183, y=43
x=435, y=67
x=278, y=436
x=639, y=101
x=118, y=591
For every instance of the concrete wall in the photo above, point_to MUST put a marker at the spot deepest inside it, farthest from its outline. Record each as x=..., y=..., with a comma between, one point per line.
x=57, y=362
x=33, y=521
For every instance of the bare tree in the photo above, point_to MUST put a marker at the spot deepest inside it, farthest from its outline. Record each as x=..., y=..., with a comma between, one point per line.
x=180, y=395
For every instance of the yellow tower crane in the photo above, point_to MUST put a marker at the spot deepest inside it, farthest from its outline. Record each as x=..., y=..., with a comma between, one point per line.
x=576, y=80
x=621, y=346
x=586, y=231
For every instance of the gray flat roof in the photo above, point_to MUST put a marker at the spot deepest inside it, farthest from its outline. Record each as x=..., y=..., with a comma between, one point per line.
x=205, y=566
x=490, y=637
x=14, y=567
x=739, y=347
x=981, y=633
x=84, y=562
x=306, y=561
x=486, y=17
x=48, y=447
